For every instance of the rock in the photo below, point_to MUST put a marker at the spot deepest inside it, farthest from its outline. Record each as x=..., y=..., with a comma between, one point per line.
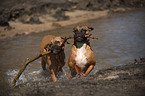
x=4, y=17
x=12, y=10
x=59, y=14
x=34, y=19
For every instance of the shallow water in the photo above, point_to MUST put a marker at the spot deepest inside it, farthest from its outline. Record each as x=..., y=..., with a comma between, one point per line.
x=121, y=40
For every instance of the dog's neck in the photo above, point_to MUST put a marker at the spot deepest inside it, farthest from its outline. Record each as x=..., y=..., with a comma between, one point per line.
x=80, y=44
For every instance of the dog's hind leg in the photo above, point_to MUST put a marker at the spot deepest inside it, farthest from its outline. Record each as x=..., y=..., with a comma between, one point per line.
x=60, y=69
x=43, y=63
x=72, y=72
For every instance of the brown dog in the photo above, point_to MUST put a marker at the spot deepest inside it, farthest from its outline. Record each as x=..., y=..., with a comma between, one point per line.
x=81, y=58
x=56, y=59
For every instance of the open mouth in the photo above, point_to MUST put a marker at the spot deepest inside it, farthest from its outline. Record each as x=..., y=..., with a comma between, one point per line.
x=79, y=39
x=56, y=49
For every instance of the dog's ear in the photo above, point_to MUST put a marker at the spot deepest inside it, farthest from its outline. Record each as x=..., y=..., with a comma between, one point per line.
x=91, y=28
x=74, y=29
x=48, y=45
x=62, y=38
x=66, y=38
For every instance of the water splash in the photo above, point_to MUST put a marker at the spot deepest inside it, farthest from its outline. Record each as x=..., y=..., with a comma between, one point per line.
x=32, y=76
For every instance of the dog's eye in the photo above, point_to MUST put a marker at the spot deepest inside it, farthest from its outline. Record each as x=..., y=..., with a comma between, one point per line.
x=56, y=42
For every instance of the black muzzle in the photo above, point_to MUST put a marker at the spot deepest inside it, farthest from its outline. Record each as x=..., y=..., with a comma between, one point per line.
x=80, y=37
x=56, y=49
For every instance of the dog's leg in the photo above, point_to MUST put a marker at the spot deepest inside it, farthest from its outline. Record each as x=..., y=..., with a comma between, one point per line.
x=90, y=68
x=53, y=75
x=51, y=67
x=70, y=67
x=60, y=69
x=72, y=71
x=69, y=76
x=78, y=70
x=43, y=63
x=62, y=61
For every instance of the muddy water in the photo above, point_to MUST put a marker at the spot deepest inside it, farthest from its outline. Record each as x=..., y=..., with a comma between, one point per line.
x=121, y=40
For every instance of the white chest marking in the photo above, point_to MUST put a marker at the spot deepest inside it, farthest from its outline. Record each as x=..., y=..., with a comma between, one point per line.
x=81, y=59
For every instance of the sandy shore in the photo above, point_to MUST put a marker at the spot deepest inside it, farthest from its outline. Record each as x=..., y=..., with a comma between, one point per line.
x=50, y=23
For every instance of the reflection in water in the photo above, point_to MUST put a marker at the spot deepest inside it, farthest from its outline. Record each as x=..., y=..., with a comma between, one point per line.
x=121, y=40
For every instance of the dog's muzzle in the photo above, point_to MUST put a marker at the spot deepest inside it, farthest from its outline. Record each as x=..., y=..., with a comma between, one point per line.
x=80, y=37
x=56, y=49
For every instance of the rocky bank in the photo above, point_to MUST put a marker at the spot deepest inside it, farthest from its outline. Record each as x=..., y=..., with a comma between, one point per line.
x=21, y=17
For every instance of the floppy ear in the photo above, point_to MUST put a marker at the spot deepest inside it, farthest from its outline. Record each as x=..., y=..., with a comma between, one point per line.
x=48, y=45
x=91, y=28
x=62, y=38
x=65, y=40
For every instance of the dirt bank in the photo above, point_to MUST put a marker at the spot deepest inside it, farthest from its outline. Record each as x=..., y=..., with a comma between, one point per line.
x=18, y=28
x=22, y=17
x=126, y=80
x=76, y=16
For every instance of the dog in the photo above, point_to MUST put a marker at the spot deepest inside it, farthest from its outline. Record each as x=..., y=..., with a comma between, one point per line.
x=81, y=60
x=56, y=58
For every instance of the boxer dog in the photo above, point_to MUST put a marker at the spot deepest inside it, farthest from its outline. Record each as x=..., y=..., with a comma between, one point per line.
x=56, y=58
x=82, y=59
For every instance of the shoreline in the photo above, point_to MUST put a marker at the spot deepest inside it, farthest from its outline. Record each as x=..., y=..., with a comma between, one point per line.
x=76, y=16
x=124, y=80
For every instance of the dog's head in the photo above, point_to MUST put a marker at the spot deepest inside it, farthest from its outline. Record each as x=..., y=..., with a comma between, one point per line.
x=81, y=33
x=57, y=44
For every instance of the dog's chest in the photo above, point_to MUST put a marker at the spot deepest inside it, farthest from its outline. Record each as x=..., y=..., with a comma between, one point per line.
x=81, y=59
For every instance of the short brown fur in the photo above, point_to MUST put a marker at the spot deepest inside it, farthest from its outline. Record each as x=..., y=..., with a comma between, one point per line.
x=89, y=54
x=54, y=61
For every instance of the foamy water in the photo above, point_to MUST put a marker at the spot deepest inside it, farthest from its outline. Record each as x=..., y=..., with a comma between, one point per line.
x=32, y=77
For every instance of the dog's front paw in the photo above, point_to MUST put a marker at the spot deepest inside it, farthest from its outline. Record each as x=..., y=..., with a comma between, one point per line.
x=84, y=75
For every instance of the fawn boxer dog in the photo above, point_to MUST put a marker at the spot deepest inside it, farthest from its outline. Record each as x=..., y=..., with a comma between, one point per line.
x=81, y=58
x=56, y=58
